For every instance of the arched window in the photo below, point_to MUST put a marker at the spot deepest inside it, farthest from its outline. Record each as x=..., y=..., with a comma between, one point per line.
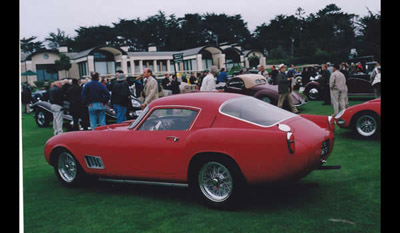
x=102, y=55
x=104, y=62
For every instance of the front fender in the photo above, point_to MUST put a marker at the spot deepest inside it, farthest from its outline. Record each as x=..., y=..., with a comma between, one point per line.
x=312, y=84
x=42, y=104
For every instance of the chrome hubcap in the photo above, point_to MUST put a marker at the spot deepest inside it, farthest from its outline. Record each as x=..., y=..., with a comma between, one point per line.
x=41, y=118
x=366, y=125
x=67, y=167
x=313, y=93
x=215, y=181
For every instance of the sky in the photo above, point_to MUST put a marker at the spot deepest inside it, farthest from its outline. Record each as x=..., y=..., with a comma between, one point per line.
x=41, y=17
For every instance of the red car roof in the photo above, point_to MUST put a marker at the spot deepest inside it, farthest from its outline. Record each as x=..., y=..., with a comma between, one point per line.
x=196, y=99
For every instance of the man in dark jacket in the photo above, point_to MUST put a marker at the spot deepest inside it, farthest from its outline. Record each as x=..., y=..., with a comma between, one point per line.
x=95, y=95
x=56, y=97
x=273, y=74
x=120, y=97
x=26, y=96
x=285, y=89
x=175, y=85
x=324, y=82
x=76, y=107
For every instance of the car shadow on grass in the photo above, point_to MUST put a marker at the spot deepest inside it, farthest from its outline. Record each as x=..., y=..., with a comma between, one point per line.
x=349, y=134
x=271, y=196
x=280, y=195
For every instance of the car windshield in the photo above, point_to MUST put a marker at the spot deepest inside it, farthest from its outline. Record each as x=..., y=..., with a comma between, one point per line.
x=254, y=111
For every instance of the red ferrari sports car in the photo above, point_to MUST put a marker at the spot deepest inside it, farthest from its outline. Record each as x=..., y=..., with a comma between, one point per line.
x=363, y=119
x=215, y=143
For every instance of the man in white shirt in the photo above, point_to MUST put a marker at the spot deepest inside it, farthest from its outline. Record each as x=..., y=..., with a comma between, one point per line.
x=208, y=83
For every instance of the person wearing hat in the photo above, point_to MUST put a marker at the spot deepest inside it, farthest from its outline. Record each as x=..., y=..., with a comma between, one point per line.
x=285, y=89
x=120, y=97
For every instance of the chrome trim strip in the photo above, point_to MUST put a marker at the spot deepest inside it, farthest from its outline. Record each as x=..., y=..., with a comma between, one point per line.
x=145, y=182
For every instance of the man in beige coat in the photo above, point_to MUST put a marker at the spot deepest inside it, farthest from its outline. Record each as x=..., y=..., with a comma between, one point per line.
x=150, y=88
x=337, y=85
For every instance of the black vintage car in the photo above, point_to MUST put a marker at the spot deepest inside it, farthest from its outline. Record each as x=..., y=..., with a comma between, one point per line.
x=43, y=113
x=358, y=84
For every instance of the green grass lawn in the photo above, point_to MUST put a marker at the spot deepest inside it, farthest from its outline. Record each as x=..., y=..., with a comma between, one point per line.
x=345, y=200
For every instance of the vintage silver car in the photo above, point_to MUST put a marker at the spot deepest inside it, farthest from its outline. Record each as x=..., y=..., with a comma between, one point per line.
x=44, y=115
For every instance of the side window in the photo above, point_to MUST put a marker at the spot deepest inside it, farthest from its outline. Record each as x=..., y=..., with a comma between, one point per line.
x=236, y=83
x=169, y=119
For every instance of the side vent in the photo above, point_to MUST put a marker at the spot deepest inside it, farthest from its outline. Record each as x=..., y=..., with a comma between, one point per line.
x=94, y=162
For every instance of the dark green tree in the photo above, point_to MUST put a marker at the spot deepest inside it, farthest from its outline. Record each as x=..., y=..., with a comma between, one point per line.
x=89, y=37
x=55, y=40
x=63, y=63
x=370, y=35
x=28, y=45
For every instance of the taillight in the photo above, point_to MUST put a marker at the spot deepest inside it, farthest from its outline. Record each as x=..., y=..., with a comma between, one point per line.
x=331, y=122
x=290, y=142
x=289, y=137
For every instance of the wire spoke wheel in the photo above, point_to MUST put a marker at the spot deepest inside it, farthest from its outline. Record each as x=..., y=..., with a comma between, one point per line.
x=366, y=125
x=215, y=181
x=67, y=167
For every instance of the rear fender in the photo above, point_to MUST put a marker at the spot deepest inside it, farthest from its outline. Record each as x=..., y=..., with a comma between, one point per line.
x=325, y=122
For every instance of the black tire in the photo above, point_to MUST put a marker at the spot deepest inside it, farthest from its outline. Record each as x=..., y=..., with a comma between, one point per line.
x=217, y=182
x=42, y=117
x=68, y=170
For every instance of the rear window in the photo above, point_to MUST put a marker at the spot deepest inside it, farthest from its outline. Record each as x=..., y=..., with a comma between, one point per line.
x=255, y=111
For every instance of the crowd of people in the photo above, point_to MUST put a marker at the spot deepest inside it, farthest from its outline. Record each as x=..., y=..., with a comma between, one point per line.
x=88, y=101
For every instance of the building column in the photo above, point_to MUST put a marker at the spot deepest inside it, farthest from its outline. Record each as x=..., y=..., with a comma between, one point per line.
x=132, y=66
x=199, y=60
x=263, y=61
x=90, y=63
x=155, y=66
x=221, y=61
x=169, y=66
x=141, y=66
x=124, y=64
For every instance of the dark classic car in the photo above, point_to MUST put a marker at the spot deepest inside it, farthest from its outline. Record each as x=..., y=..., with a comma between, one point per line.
x=43, y=113
x=257, y=86
x=358, y=84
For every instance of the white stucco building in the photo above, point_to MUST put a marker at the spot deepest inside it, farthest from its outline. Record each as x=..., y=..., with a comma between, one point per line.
x=107, y=59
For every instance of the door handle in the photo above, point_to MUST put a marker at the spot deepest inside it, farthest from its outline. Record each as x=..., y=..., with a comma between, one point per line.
x=175, y=139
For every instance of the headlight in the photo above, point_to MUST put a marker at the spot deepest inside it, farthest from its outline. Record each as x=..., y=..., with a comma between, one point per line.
x=340, y=114
x=135, y=103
